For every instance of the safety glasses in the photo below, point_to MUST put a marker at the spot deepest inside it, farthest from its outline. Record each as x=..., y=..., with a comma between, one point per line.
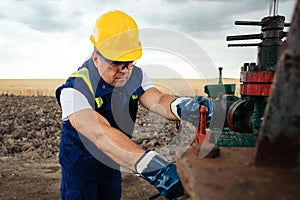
x=117, y=65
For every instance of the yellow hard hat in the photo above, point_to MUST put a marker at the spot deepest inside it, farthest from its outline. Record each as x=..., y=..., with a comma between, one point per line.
x=116, y=37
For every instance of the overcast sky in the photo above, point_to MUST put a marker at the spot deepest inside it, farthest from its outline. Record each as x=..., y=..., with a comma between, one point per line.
x=50, y=38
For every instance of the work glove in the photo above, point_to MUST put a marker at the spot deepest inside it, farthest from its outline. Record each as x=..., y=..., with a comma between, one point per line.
x=160, y=173
x=186, y=108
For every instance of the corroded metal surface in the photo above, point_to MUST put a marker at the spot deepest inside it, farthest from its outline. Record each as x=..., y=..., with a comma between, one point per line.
x=234, y=176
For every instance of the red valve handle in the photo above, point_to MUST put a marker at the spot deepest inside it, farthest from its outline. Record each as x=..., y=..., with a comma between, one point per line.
x=201, y=130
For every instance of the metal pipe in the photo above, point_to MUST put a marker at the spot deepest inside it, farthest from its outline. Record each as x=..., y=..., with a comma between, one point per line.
x=244, y=37
x=220, y=76
x=248, y=23
x=243, y=45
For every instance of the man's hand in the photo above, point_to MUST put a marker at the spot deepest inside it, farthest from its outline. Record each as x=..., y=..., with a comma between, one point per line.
x=186, y=108
x=160, y=173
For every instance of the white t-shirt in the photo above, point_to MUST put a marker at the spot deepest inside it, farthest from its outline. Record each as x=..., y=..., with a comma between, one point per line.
x=72, y=100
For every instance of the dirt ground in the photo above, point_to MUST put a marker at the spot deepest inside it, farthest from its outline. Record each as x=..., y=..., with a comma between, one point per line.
x=29, y=144
x=39, y=180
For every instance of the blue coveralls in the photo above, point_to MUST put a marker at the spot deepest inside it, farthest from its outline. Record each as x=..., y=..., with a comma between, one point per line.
x=83, y=175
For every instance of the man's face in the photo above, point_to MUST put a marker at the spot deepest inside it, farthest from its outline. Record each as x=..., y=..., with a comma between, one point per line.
x=114, y=73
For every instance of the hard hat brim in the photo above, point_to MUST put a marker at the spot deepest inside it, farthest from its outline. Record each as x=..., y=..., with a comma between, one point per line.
x=118, y=55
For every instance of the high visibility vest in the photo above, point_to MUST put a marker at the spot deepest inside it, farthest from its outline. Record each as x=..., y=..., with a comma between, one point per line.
x=118, y=105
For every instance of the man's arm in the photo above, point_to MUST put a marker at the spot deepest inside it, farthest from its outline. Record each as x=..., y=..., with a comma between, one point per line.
x=176, y=108
x=158, y=102
x=110, y=140
x=149, y=165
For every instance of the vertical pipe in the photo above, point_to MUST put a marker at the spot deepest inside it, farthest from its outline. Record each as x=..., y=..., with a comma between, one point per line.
x=220, y=76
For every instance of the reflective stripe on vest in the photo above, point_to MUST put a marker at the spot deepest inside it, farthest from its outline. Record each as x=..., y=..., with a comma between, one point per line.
x=99, y=102
x=84, y=74
x=134, y=97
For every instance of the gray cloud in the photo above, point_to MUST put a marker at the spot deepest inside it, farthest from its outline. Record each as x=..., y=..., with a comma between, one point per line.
x=31, y=30
x=199, y=16
x=190, y=16
x=46, y=15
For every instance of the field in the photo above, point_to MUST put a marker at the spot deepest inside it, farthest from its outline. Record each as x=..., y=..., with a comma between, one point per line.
x=30, y=131
x=46, y=87
x=29, y=87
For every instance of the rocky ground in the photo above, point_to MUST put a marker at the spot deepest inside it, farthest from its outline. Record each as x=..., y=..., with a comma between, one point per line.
x=29, y=144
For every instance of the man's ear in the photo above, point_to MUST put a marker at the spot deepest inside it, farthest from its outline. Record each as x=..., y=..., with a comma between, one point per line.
x=95, y=58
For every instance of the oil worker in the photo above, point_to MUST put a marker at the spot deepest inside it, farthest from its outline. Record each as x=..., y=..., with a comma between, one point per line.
x=99, y=104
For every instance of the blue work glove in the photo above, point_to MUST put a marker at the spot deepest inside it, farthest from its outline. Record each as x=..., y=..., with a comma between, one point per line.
x=186, y=108
x=160, y=173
